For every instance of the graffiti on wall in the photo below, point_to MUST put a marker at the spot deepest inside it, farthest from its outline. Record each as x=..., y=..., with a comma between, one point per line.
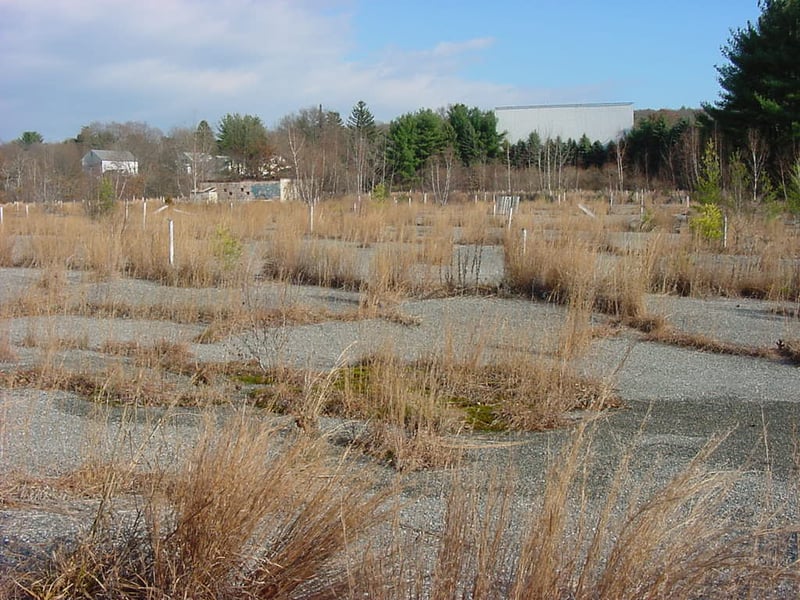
x=266, y=191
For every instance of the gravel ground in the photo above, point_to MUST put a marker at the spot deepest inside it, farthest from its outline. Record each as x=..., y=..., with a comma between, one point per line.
x=675, y=399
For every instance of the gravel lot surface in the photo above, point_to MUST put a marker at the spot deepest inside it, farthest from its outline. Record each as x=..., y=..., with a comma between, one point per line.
x=675, y=399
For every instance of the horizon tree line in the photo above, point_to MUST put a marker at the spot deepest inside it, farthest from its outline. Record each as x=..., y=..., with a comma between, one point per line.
x=753, y=130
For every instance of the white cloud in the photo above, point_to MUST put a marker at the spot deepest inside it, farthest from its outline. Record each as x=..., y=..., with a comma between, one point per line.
x=457, y=48
x=158, y=77
x=156, y=59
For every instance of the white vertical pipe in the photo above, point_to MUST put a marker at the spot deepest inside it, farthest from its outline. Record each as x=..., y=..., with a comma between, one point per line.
x=171, y=243
x=725, y=232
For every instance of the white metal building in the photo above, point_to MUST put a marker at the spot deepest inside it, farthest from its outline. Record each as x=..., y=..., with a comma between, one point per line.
x=600, y=122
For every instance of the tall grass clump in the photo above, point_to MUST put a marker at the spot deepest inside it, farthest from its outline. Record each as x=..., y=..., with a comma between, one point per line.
x=246, y=515
x=759, y=262
x=293, y=258
x=407, y=413
x=564, y=268
x=579, y=539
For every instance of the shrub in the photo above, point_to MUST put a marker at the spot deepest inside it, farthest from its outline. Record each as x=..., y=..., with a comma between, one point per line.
x=708, y=222
x=103, y=201
x=379, y=192
x=227, y=248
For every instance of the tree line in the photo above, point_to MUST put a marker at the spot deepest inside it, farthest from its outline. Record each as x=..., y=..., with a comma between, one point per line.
x=748, y=140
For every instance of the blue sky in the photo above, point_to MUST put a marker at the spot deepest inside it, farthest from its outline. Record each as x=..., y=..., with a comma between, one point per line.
x=170, y=63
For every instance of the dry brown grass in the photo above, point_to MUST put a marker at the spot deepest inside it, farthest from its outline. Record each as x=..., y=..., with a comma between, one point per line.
x=259, y=512
x=564, y=268
x=161, y=354
x=315, y=262
x=252, y=513
x=222, y=245
x=672, y=541
x=119, y=385
x=789, y=349
x=238, y=518
x=759, y=262
x=7, y=352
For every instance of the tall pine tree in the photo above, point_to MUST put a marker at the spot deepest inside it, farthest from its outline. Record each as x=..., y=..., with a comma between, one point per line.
x=361, y=124
x=761, y=81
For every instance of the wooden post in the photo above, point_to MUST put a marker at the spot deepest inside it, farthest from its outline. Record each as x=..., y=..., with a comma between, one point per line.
x=311, y=217
x=144, y=213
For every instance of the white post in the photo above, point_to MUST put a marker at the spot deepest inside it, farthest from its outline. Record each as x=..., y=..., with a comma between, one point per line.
x=725, y=232
x=524, y=241
x=1, y=215
x=311, y=217
x=171, y=243
x=27, y=213
x=424, y=197
x=510, y=214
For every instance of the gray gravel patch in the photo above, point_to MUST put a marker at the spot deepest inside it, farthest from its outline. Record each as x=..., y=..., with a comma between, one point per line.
x=736, y=320
x=674, y=399
x=651, y=371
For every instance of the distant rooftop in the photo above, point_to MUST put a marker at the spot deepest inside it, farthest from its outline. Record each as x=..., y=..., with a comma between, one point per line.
x=114, y=155
x=578, y=105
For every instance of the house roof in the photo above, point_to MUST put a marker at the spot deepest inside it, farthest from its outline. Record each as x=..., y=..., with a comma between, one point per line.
x=114, y=155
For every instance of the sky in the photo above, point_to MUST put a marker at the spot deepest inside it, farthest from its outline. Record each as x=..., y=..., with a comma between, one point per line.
x=170, y=63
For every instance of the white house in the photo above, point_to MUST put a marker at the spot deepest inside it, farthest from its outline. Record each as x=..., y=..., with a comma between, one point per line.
x=604, y=122
x=103, y=161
